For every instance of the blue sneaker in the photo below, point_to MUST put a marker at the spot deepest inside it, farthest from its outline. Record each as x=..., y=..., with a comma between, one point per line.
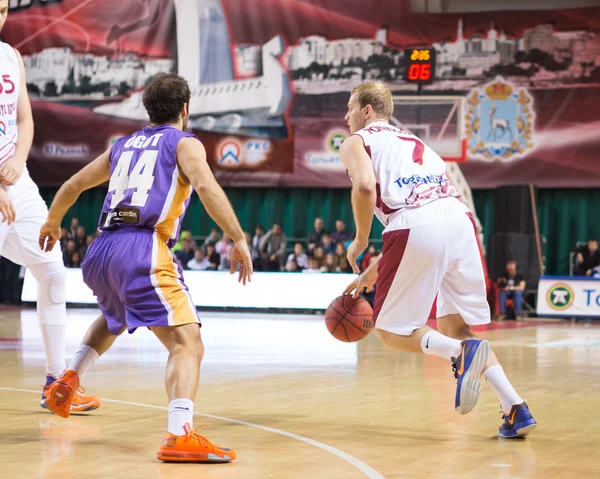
x=467, y=370
x=519, y=422
x=49, y=381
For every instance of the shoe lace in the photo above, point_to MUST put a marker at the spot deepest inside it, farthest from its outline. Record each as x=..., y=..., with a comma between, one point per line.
x=81, y=390
x=194, y=436
x=454, y=368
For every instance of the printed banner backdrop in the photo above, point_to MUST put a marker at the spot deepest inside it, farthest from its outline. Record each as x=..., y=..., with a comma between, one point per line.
x=270, y=80
x=570, y=297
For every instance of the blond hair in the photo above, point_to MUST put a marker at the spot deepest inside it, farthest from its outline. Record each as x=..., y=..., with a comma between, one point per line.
x=376, y=94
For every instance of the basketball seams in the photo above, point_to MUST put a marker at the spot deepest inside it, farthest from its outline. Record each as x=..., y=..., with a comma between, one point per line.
x=353, y=307
x=339, y=322
x=343, y=314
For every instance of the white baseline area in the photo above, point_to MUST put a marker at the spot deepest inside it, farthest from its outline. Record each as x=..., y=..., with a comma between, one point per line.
x=221, y=290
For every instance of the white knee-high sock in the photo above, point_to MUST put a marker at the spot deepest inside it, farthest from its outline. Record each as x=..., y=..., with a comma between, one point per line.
x=83, y=358
x=181, y=412
x=506, y=393
x=52, y=313
x=439, y=345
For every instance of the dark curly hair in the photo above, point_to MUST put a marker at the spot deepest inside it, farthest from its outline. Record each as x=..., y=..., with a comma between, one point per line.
x=165, y=96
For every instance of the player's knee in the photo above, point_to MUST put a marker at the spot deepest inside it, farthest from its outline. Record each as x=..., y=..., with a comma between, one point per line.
x=189, y=341
x=390, y=340
x=52, y=281
x=456, y=331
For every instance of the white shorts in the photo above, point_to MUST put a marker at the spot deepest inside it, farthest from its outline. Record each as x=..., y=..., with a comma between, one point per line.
x=440, y=258
x=19, y=241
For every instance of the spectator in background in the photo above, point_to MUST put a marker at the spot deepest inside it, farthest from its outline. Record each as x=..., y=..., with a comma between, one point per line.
x=298, y=256
x=319, y=256
x=212, y=238
x=511, y=285
x=74, y=226
x=223, y=245
x=340, y=235
x=65, y=234
x=327, y=243
x=340, y=253
x=272, y=248
x=64, y=239
x=315, y=236
x=225, y=262
x=366, y=259
x=331, y=264
x=70, y=248
x=292, y=267
x=588, y=257
x=199, y=262
x=80, y=237
x=185, y=254
x=259, y=232
x=74, y=260
x=184, y=235
x=313, y=266
x=80, y=240
x=213, y=257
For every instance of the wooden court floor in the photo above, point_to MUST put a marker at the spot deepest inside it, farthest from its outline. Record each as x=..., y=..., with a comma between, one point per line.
x=295, y=403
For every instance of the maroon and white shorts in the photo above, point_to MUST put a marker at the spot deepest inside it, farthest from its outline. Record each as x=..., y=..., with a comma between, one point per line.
x=440, y=258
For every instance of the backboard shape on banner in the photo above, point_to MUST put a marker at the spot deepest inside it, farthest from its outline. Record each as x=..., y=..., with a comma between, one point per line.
x=437, y=120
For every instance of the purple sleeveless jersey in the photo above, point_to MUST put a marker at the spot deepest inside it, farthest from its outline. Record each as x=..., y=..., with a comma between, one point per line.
x=146, y=189
x=130, y=268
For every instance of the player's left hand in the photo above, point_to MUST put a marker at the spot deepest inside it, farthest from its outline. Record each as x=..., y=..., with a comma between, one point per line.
x=49, y=235
x=354, y=251
x=11, y=171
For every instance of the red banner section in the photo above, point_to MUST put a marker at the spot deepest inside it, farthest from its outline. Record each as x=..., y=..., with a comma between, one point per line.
x=269, y=91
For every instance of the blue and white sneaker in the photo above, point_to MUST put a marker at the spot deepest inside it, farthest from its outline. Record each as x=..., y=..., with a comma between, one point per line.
x=49, y=381
x=519, y=422
x=467, y=370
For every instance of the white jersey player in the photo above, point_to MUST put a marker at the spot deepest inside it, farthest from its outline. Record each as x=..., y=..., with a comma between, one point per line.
x=429, y=249
x=24, y=212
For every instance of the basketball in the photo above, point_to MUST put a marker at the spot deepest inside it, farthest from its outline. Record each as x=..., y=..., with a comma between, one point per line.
x=349, y=319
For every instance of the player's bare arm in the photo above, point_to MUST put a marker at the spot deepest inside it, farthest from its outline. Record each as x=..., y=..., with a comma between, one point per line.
x=94, y=174
x=11, y=171
x=191, y=157
x=359, y=166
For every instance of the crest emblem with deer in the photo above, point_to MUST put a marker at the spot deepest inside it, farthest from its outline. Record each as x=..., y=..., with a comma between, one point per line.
x=499, y=121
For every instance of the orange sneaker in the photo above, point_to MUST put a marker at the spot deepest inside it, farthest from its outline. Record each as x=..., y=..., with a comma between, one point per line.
x=60, y=393
x=192, y=447
x=79, y=402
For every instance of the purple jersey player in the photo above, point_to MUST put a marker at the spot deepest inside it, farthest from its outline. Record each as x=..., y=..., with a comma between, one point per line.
x=130, y=268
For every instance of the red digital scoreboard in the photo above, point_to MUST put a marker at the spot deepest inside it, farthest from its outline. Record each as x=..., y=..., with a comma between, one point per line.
x=419, y=65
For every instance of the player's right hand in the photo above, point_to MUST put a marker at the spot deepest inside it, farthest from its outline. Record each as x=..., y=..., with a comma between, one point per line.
x=240, y=254
x=7, y=208
x=49, y=235
x=366, y=280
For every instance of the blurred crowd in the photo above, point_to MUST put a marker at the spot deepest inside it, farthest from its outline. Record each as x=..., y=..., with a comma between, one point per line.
x=320, y=252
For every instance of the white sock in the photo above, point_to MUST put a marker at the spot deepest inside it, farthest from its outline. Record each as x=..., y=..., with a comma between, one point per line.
x=83, y=358
x=498, y=381
x=53, y=336
x=440, y=345
x=181, y=411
